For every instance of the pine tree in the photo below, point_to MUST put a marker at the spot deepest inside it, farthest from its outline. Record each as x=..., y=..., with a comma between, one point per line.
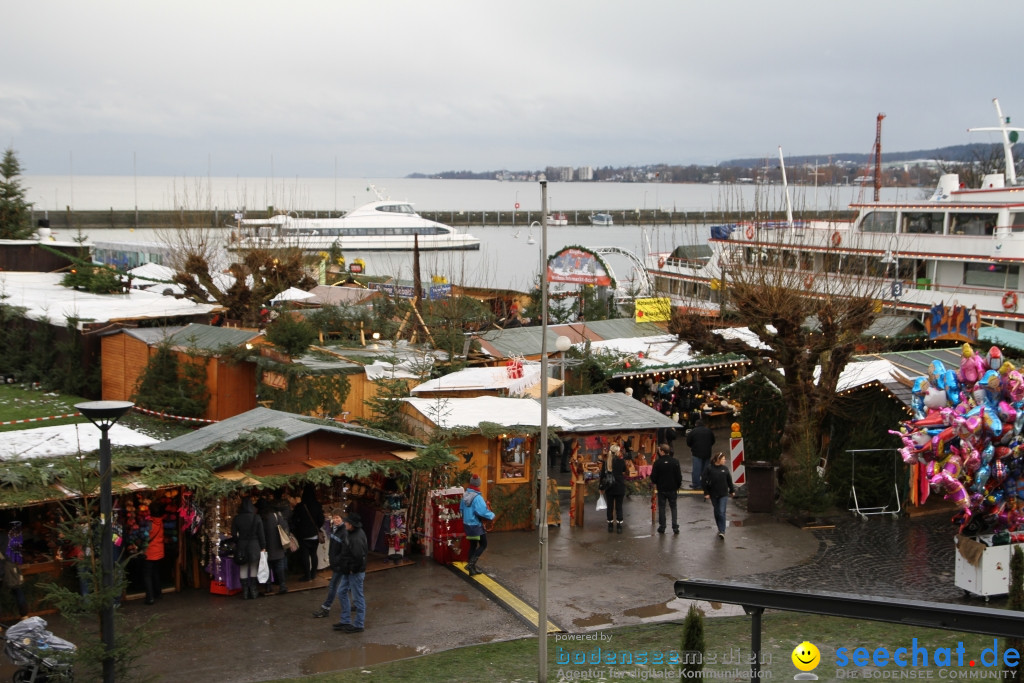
x=166, y=387
x=693, y=644
x=15, y=212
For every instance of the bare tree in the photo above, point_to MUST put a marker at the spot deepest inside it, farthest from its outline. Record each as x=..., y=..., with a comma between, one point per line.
x=775, y=293
x=242, y=280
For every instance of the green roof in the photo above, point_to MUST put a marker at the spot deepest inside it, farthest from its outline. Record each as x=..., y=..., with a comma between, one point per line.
x=210, y=338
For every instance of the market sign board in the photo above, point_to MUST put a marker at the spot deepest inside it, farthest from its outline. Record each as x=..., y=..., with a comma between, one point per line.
x=435, y=292
x=576, y=266
x=957, y=323
x=653, y=310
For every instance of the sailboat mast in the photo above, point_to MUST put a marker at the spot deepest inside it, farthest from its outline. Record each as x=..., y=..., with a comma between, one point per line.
x=785, y=188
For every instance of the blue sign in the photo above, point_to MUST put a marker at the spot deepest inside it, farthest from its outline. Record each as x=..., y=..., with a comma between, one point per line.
x=897, y=289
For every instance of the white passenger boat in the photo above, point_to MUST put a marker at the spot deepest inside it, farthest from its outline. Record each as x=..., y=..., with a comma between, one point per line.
x=601, y=219
x=959, y=248
x=383, y=225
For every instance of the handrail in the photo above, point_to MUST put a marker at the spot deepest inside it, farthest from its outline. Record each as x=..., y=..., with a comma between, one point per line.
x=754, y=600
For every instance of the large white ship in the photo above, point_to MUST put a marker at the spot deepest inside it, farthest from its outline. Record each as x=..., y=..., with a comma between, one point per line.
x=962, y=247
x=382, y=225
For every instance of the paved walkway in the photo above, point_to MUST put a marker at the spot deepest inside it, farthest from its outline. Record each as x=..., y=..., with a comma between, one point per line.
x=595, y=580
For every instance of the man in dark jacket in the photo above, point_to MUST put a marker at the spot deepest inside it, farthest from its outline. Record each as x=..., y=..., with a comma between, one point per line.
x=667, y=477
x=700, y=439
x=351, y=561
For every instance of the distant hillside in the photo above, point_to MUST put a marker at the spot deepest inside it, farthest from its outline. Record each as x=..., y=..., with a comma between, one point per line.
x=693, y=173
x=971, y=152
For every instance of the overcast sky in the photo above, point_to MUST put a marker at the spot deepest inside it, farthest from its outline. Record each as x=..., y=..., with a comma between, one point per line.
x=384, y=88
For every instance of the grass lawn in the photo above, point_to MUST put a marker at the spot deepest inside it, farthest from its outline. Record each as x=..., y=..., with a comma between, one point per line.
x=17, y=403
x=20, y=404
x=727, y=654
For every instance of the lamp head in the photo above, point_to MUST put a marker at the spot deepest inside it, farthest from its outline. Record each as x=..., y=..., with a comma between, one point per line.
x=104, y=413
x=563, y=343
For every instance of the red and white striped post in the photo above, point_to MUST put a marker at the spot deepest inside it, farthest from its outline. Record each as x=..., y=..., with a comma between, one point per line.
x=739, y=476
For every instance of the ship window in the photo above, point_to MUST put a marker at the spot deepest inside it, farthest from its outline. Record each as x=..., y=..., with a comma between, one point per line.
x=999, y=275
x=972, y=223
x=924, y=223
x=879, y=221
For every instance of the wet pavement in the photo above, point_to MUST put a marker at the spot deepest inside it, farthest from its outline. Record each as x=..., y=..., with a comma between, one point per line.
x=595, y=580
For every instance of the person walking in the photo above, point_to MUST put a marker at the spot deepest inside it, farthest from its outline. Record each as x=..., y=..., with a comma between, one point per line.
x=474, y=511
x=337, y=535
x=718, y=488
x=154, y=554
x=307, y=523
x=700, y=439
x=276, y=558
x=615, y=494
x=351, y=560
x=667, y=477
x=250, y=541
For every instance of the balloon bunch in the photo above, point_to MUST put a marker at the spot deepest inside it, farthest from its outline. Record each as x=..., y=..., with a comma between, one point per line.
x=965, y=436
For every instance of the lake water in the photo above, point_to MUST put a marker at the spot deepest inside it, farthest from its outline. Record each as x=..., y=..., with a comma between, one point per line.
x=505, y=259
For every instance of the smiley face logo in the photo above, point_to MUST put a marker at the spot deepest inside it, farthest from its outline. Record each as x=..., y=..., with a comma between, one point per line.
x=806, y=656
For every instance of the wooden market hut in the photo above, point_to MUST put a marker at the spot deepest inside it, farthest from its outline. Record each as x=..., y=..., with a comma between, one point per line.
x=231, y=383
x=312, y=444
x=497, y=439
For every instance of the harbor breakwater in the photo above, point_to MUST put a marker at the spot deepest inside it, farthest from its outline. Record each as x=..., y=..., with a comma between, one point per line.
x=77, y=220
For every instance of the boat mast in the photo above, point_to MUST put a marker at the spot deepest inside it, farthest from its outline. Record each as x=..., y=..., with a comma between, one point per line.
x=1009, y=137
x=878, y=155
x=785, y=188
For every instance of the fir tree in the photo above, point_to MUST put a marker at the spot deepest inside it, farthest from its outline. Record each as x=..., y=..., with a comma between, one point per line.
x=15, y=212
x=168, y=387
x=693, y=644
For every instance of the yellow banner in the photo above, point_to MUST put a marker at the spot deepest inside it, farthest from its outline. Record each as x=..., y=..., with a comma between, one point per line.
x=653, y=310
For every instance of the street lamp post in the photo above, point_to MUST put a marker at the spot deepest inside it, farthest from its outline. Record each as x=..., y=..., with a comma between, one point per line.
x=104, y=414
x=562, y=344
x=542, y=513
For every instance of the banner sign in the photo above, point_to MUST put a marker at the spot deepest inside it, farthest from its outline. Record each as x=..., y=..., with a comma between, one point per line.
x=406, y=291
x=957, y=323
x=576, y=266
x=654, y=310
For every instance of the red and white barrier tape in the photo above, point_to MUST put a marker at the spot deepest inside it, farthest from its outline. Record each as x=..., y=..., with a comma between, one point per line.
x=174, y=417
x=40, y=419
x=141, y=410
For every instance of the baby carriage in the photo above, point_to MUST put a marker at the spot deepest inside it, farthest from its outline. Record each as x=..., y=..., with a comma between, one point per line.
x=41, y=656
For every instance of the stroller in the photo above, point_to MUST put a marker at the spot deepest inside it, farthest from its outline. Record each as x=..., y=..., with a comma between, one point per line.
x=41, y=656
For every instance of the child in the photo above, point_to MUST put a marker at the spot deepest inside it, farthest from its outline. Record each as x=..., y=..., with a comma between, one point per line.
x=718, y=488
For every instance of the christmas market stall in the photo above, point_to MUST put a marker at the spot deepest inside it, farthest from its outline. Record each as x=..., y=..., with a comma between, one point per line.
x=589, y=425
x=315, y=465
x=49, y=513
x=497, y=438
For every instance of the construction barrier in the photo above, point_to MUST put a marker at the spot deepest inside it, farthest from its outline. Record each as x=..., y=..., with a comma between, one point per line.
x=739, y=475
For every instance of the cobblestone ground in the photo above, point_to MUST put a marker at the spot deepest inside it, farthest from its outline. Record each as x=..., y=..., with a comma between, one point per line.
x=906, y=557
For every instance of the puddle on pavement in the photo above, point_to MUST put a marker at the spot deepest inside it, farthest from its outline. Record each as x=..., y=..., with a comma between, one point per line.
x=592, y=620
x=362, y=655
x=649, y=611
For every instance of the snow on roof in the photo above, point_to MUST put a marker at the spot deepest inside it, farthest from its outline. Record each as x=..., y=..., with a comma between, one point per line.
x=448, y=413
x=483, y=379
x=665, y=349
x=66, y=440
x=43, y=297
x=858, y=374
